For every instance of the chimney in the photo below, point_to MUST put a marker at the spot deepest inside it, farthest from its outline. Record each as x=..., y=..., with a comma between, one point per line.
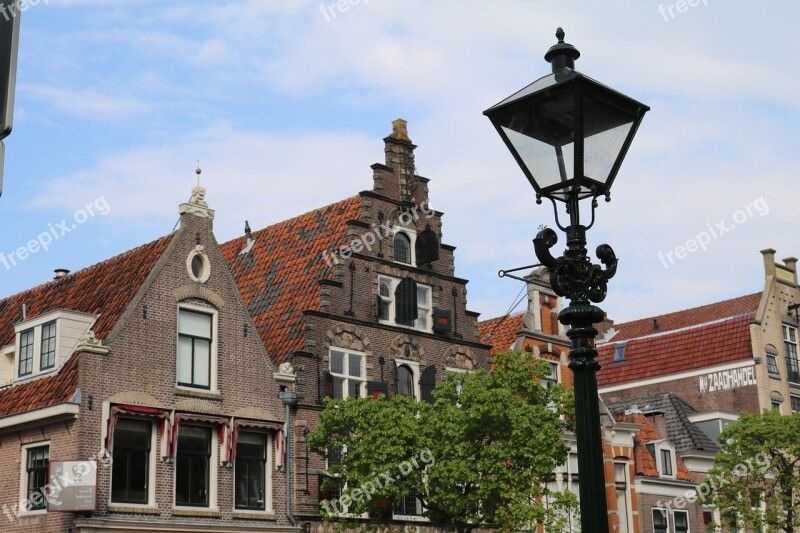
x=61, y=273
x=400, y=160
x=769, y=262
x=659, y=422
x=791, y=264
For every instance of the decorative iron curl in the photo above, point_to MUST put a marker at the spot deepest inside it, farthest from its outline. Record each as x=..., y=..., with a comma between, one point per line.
x=573, y=275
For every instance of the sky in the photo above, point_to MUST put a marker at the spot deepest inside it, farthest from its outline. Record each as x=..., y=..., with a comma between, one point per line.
x=285, y=104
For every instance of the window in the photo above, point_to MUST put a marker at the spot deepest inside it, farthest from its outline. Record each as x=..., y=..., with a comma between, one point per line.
x=251, y=460
x=48, y=357
x=708, y=520
x=772, y=364
x=194, y=349
x=664, y=454
x=26, y=352
x=409, y=506
x=681, y=519
x=621, y=484
x=790, y=345
x=193, y=466
x=423, y=307
x=795, y=401
x=130, y=469
x=37, y=467
x=776, y=406
x=552, y=378
x=402, y=248
x=405, y=381
x=619, y=351
x=347, y=372
x=659, y=521
x=666, y=462
x=393, y=294
x=335, y=456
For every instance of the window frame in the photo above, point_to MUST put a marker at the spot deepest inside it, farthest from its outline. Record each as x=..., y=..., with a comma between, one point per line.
x=411, y=235
x=790, y=352
x=211, y=474
x=345, y=375
x=660, y=446
x=403, y=234
x=675, y=521
x=51, y=325
x=665, y=514
x=24, y=489
x=794, y=403
x=150, y=463
x=418, y=517
x=31, y=346
x=269, y=442
x=388, y=302
x=213, y=346
x=416, y=375
x=623, y=485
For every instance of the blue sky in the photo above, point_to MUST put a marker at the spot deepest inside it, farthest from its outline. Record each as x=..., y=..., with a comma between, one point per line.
x=286, y=106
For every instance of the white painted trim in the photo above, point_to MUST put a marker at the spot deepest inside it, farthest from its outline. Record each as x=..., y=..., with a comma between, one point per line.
x=680, y=375
x=415, y=374
x=23, y=477
x=346, y=376
x=713, y=415
x=66, y=410
x=151, y=467
x=688, y=521
x=213, y=466
x=670, y=488
x=411, y=233
x=268, y=509
x=666, y=516
x=214, y=313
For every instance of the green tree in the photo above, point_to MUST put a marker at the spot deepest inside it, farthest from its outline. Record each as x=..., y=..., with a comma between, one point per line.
x=482, y=453
x=759, y=465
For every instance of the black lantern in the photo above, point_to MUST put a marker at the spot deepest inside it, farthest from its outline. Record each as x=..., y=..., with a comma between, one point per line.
x=569, y=134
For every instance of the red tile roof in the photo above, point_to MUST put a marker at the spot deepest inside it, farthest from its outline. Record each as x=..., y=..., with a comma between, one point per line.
x=278, y=277
x=686, y=318
x=500, y=332
x=104, y=289
x=43, y=392
x=700, y=346
x=646, y=463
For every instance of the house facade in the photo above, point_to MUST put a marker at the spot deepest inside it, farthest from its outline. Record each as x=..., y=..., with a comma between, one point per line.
x=358, y=298
x=139, y=399
x=723, y=358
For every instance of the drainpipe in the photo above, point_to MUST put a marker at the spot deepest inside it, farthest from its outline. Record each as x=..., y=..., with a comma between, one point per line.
x=289, y=399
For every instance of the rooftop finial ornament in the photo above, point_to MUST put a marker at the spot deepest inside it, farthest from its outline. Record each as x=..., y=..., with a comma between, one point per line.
x=562, y=54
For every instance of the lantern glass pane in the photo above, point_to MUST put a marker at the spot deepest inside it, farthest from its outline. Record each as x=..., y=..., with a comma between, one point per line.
x=606, y=128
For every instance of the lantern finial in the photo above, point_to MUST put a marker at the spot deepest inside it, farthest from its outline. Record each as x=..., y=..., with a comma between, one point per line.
x=560, y=35
x=562, y=54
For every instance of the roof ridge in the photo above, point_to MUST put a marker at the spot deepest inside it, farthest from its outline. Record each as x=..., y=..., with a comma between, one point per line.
x=289, y=220
x=680, y=330
x=686, y=310
x=89, y=267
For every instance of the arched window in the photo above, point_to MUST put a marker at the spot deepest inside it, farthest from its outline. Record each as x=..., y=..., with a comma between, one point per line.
x=405, y=381
x=402, y=248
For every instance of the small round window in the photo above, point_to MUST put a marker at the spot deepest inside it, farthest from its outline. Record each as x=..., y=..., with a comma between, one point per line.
x=198, y=267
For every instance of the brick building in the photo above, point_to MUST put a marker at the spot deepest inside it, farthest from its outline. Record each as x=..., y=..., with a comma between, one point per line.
x=359, y=297
x=146, y=358
x=723, y=358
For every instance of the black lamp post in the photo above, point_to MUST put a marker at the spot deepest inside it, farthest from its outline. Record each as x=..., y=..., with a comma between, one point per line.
x=569, y=134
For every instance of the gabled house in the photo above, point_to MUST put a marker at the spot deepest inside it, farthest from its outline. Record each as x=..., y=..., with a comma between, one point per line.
x=137, y=398
x=357, y=298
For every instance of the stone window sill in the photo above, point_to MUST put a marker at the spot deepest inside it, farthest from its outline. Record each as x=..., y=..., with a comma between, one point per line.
x=254, y=515
x=191, y=511
x=132, y=508
x=197, y=393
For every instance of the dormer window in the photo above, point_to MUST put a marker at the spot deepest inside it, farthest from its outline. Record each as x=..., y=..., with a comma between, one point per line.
x=26, y=352
x=664, y=454
x=402, y=248
x=619, y=351
x=48, y=356
x=41, y=342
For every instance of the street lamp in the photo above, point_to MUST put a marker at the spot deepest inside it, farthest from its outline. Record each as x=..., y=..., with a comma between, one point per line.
x=569, y=134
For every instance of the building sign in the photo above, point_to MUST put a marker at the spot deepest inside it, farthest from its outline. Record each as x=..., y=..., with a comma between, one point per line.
x=74, y=486
x=728, y=379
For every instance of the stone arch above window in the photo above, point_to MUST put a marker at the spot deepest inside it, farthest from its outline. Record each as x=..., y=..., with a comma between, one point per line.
x=348, y=337
x=770, y=349
x=460, y=357
x=405, y=347
x=135, y=398
x=188, y=292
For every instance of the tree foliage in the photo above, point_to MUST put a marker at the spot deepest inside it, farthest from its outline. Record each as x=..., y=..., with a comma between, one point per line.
x=759, y=465
x=482, y=453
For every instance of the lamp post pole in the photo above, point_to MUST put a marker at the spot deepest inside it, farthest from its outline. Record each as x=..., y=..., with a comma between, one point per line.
x=569, y=134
